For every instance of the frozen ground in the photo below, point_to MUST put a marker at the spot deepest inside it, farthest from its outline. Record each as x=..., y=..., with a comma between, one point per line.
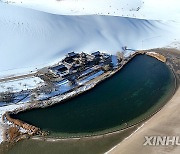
x=21, y=84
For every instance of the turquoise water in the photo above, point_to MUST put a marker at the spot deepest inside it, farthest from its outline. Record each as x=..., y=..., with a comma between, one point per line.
x=134, y=93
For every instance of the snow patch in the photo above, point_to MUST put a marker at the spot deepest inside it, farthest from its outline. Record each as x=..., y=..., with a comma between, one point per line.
x=21, y=84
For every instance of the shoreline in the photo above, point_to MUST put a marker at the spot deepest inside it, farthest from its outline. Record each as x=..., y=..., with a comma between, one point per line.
x=108, y=133
x=59, y=99
x=79, y=91
x=156, y=125
x=127, y=142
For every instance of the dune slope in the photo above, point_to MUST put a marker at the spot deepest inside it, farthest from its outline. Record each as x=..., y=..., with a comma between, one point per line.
x=32, y=38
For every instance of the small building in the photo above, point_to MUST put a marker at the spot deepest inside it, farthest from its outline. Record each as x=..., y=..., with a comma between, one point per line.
x=75, y=68
x=107, y=59
x=68, y=60
x=89, y=57
x=59, y=68
x=73, y=55
x=106, y=56
x=96, y=54
x=7, y=97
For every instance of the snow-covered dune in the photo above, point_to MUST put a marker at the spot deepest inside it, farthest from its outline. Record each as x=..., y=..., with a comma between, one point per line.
x=144, y=9
x=32, y=38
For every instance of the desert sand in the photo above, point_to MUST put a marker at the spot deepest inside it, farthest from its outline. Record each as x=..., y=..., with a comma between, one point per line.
x=165, y=123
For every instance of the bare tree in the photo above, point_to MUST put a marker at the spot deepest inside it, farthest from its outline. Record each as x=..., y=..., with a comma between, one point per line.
x=48, y=88
x=107, y=67
x=10, y=89
x=120, y=55
x=7, y=97
x=2, y=86
x=25, y=85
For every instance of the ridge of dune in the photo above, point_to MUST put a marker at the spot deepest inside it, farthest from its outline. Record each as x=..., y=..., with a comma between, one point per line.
x=33, y=38
x=143, y=9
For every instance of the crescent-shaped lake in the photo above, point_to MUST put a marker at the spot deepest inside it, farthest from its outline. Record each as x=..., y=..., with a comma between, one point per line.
x=137, y=91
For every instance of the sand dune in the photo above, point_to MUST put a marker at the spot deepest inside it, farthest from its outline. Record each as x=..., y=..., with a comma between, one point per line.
x=33, y=39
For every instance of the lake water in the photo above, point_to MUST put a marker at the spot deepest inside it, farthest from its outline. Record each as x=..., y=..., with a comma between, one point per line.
x=138, y=90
